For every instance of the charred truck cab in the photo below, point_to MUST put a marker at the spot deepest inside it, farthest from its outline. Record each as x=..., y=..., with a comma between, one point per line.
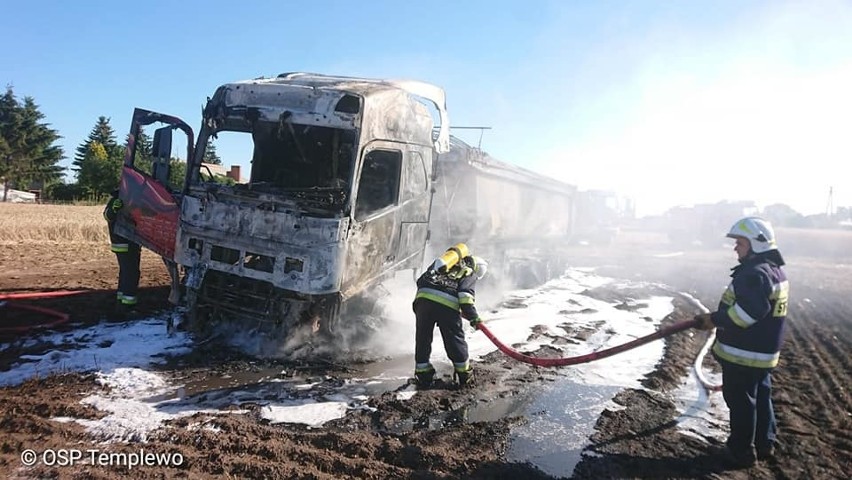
x=338, y=197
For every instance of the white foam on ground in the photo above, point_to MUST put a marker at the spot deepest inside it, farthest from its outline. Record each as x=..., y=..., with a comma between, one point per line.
x=100, y=348
x=703, y=414
x=311, y=413
x=135, y=405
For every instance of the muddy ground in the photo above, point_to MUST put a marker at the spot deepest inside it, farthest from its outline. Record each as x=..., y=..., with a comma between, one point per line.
x=427, y=436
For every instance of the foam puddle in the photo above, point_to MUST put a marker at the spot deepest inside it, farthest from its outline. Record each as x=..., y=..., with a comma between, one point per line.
x=100, y=348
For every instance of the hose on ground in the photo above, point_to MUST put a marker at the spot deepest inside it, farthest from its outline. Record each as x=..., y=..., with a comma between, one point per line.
x=699, y=359
x=55, y=317
x=590, y=357
x=53, y=293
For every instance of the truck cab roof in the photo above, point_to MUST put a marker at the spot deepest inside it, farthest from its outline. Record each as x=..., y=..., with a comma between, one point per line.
x=338, y=100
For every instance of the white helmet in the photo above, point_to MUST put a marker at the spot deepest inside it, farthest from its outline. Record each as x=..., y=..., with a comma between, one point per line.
x=758, y=231
x=480, y=267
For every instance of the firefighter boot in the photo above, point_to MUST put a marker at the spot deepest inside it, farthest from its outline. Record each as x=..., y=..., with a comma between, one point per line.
x=767, y=453
x=424, y=376
x=464, y=378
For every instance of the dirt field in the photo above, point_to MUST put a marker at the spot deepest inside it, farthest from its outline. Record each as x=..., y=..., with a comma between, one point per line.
x=424, y=437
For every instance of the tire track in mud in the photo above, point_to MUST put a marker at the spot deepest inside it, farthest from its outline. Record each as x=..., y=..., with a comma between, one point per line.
x=815, y=347
x=816, y=343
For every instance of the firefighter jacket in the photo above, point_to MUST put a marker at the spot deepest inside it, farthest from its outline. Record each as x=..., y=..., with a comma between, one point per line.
x=455, y=289
x=118, y=243
x=751, y=314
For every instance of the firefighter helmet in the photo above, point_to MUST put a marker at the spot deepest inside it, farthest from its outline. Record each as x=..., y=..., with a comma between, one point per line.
x=480, y=267
x=757, y=231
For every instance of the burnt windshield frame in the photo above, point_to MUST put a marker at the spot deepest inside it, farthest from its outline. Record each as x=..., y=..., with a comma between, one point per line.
x=310, y=164
x=293, y=156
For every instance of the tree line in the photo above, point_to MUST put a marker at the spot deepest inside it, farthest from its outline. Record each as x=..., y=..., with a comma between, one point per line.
x=30, y=155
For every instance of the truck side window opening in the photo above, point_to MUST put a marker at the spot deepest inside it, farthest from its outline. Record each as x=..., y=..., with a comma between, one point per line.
x=144, y=159
x=379, y=184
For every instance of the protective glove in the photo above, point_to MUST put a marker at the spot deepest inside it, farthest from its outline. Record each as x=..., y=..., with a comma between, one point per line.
x=704, y=321
x=475, y=321
x=117, y=205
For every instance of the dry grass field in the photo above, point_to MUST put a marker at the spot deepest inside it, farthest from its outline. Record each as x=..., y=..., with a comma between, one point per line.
x=39, y=223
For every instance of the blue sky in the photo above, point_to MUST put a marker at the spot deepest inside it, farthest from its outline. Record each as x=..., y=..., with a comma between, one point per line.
x=666, y=102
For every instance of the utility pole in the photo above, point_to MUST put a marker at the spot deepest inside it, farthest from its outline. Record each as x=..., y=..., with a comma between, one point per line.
x=829, y=209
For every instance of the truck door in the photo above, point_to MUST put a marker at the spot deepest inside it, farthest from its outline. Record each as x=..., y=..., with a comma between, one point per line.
x=374, y=237
x=151, y=200
x=415, y=204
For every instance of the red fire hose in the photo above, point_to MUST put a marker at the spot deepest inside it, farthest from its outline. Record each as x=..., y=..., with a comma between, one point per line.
x=54, y=317
x=589, y=357
x=56, y=293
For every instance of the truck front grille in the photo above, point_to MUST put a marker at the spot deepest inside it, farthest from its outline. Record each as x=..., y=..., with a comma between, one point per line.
x=239, y=295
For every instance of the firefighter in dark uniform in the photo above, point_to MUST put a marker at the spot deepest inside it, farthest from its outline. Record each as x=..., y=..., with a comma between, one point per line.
x=750, y=322
x=128, y=254
x=446, y=288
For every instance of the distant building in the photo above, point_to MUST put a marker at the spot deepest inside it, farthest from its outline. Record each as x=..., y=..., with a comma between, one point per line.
x=219, y=170
x=18, y=196
x=706, y=223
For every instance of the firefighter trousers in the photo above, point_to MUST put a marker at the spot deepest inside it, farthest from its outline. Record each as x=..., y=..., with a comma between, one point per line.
x=748, y=394
x=128, y=272
x=429, y=313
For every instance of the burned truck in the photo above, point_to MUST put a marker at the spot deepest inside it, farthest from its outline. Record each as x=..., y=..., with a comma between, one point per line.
x=339, y=197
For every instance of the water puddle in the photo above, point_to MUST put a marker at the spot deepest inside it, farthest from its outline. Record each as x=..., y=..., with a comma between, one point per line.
x=233, y=380
x=560, y=419
x=282, y=383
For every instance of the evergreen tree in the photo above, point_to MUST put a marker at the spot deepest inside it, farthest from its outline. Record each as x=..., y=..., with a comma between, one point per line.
x=98, y=160
x=177, y=174
x=27, y=151
x=210, y=155
x=10, y=136
x=102, y=133
x=44, y=156
x=143, y=157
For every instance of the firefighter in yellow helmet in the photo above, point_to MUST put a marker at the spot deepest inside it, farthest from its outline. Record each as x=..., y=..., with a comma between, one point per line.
x=445, y=294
